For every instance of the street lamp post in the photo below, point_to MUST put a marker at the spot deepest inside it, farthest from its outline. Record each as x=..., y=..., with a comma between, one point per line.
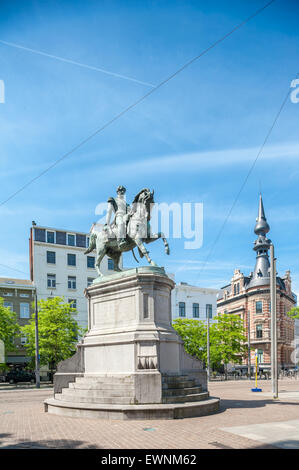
x=37, y=365
x=274, y=366
x=208, y=341
x=249, y=346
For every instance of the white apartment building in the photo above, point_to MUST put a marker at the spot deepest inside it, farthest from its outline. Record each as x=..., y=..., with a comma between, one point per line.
x=58, y=266
x=193, y=302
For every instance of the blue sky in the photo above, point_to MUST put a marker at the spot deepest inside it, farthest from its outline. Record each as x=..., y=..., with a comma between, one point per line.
x=193, y=140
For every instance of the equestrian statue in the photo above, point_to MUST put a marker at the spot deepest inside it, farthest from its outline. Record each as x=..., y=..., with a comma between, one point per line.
x=129, y=228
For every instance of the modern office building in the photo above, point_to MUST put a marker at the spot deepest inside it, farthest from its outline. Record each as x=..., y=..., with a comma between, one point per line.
x=59, y=267
x=249, y=297
x=193, y=302
x=18, y=295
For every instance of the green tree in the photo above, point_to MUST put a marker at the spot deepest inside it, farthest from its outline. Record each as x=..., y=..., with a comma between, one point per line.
x=57, y=329
x=294, y=313
x=194, y=335
x=226, y=339
x=230, y=339
x=9, y=328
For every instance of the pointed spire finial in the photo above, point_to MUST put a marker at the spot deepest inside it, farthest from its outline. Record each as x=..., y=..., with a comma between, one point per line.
x=261, y=226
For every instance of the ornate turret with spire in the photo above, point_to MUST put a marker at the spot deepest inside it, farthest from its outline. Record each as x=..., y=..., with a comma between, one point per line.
x=261, y=246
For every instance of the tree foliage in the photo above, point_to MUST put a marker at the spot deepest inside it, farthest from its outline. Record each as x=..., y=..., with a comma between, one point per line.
x=226, y=335
x=57, y=329
x=294, y=313
x=9, y=328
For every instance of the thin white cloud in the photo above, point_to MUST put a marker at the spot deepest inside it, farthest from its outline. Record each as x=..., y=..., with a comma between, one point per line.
x=195, y=265
x=73, y=62
x=189, y=162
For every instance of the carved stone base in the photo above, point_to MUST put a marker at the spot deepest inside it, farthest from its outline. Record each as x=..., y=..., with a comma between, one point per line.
x=131, y=355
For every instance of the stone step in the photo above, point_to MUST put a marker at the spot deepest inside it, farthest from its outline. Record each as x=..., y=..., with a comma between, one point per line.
x=179, y=384
x=104, y=379
x=100, y=386
x=186, y=398
x=95, y=400
x=132, y=412
x=169, y=392
x=97, y=393
x=175, y=376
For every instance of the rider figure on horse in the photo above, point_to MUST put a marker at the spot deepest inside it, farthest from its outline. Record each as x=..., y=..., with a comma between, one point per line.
x=122, y=212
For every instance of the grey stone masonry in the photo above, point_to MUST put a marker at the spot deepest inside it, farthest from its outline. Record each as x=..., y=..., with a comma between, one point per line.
x=131, y=356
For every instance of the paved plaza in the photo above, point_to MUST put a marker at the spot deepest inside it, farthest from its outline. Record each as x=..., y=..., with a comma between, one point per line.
x=246, y=421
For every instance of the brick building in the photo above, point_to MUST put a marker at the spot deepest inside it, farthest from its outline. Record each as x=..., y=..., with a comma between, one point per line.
x=18, y=295
x=249, y=297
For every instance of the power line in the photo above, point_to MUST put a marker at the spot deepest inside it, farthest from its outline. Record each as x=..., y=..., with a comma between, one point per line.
x=246, y=178
x=14, y=269
x=73, y=62
x=133, y=105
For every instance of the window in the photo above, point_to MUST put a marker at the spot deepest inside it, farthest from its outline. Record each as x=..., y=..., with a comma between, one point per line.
x=50, y=237
x=71, y=259
x=235, y=289
x=24, y=310
x=196, y=310
x=89, y=281
x=39, y=235
x=51, y=257
x=87, y=242
x=8, y=305
x=209, y=311
x=25, y=295
x=238, y=288
x=110, y=264
x=182, y=309
x=259, y=331
x=80, y=240
x=23, y=340
x=61, y=238
x=7, y=294
x=71, y=282
x=260, y=356
x=259, y=306
x=51, y=280
x=90, y=261
x=70, y=239
x=73, y=302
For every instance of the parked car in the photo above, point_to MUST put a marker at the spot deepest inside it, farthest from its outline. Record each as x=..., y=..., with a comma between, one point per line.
x=15, y=376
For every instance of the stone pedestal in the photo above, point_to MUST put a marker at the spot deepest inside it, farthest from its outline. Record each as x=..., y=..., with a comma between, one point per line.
x=131, y=363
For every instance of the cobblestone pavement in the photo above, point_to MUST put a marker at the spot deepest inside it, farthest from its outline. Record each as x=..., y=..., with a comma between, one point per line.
x=24, y=424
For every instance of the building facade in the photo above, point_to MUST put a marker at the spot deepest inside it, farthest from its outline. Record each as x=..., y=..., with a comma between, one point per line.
x=297, y=342
x=193, y=302
x=59, y=267
x=19, y=296
x=249, y=297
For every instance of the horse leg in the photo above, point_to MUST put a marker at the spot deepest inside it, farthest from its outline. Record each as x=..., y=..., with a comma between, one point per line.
x=144, y=251
x=116, y=258
x=155, y=236
x=101, y=251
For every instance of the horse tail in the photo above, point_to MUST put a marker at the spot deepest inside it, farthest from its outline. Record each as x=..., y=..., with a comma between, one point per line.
x=134, y=255
x=92, y=243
